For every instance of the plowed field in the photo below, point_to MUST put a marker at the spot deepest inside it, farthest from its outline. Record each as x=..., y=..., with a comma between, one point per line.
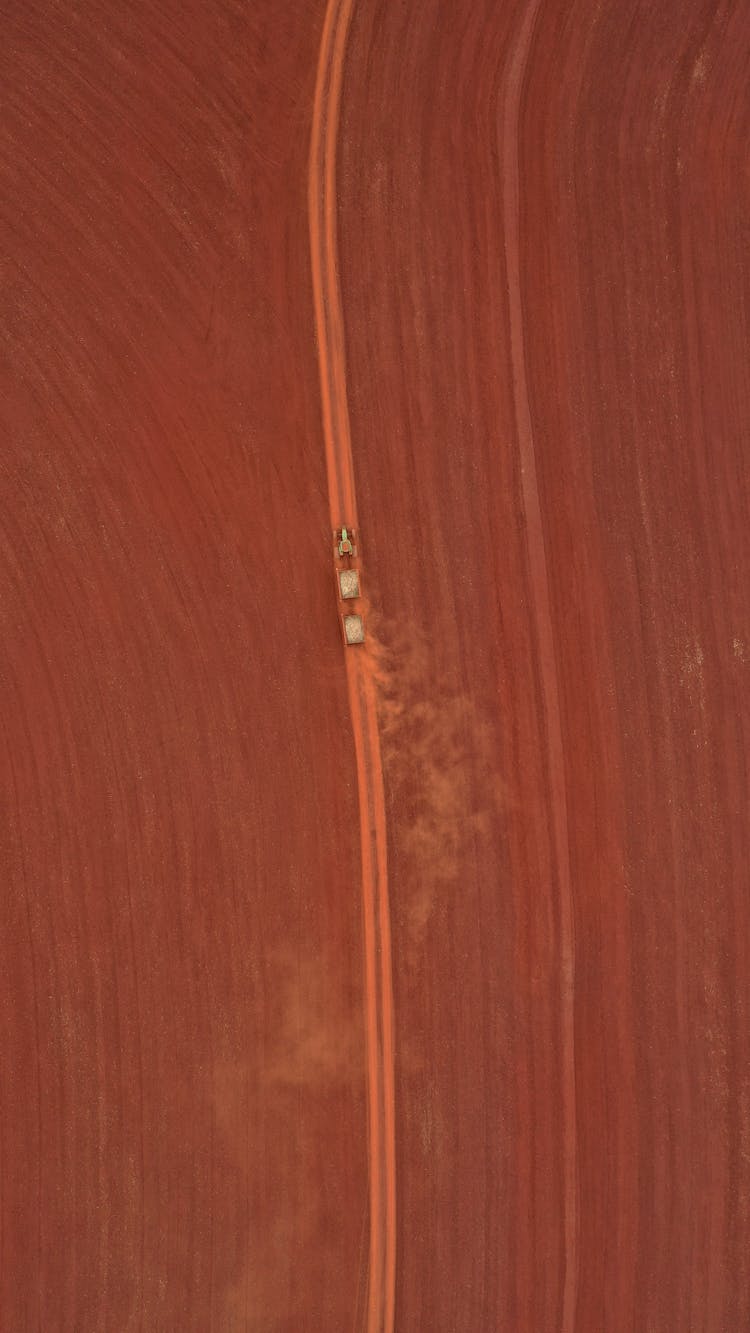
x=402, y=987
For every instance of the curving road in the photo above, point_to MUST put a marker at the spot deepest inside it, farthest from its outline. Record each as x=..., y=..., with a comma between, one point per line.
x=322, y=202
x=504, y=248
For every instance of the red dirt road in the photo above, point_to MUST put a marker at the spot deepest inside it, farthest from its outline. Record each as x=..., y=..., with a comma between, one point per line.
x=361, y=677
x=488, y=265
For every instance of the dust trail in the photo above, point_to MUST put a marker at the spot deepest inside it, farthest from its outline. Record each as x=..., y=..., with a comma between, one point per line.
x=314, y=1039
x=442, y=774
x=311, y=1051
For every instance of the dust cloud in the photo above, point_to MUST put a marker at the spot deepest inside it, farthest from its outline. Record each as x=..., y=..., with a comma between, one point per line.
x=315, y=1039
x=442, y=787
x=306, y=1072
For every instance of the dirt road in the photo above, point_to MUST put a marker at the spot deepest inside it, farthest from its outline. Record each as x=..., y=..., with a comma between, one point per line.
x=361, y=678
x=405, y=989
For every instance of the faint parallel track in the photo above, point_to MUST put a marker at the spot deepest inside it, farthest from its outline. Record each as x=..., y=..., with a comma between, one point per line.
x=539, y=576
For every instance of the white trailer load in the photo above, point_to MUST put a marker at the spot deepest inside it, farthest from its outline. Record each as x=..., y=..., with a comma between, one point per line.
x=348, y=583
x=354, y=629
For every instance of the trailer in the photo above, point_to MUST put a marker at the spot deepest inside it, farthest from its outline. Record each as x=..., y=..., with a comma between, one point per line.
x=348, y=585
x=354, y=628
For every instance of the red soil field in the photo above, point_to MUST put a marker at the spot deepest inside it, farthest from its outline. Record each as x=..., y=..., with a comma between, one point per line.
x=507, y=246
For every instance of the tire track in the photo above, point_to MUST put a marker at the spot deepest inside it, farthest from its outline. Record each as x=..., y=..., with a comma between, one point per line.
x=361, y=683
x=508, y=133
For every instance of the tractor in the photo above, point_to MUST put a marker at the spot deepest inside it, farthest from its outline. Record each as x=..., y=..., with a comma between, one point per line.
x=345, y=542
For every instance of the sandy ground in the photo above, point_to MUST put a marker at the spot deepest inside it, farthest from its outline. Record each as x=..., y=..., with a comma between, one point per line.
x=540, y=217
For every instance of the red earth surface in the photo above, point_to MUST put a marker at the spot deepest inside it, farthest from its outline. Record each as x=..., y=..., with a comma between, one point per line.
x=540, y=212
